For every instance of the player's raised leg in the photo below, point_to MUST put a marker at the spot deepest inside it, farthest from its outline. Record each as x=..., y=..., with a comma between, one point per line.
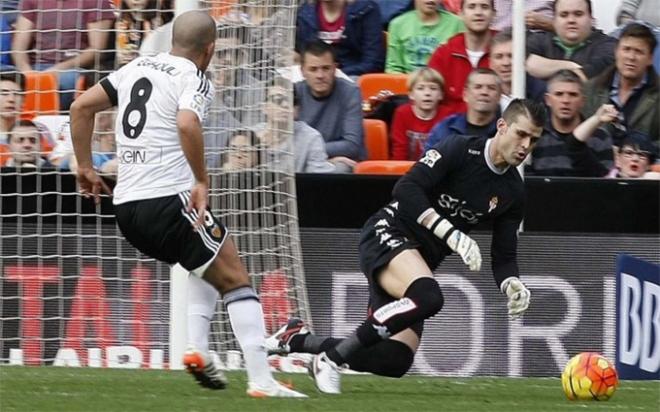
x=228, y=275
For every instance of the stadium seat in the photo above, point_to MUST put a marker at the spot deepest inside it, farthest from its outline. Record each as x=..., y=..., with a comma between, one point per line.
x=383, y=167
x=4, y=154
x=220, y=8
x=41, y=95
x=375, y=139
x=371, y=84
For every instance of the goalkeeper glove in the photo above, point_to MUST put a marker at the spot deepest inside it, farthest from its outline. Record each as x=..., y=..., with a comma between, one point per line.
x=518, y=296
x=457, y=241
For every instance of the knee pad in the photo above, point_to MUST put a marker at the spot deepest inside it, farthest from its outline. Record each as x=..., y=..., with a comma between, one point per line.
x=426, y=294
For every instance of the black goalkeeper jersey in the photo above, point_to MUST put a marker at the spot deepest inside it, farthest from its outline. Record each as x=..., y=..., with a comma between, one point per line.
x=457, y=179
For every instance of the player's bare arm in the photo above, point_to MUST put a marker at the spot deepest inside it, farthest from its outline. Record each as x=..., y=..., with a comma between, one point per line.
x=192, y=143
x=83, y=112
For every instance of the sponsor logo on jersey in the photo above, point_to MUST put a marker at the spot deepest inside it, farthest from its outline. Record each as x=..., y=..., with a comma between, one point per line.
x=474, y=152
x=492, y=204
x=430, y=157
x=456, y=207
x=394, y=308
x=135, y=155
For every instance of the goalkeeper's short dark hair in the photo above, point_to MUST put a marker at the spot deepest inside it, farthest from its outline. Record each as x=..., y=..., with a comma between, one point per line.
x=533, y=110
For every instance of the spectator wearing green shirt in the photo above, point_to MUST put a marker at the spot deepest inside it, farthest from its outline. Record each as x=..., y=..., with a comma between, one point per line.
x=414, y=35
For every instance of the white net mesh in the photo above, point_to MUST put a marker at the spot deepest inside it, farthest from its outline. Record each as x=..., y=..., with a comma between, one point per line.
x=253, y=176
x=69, y=279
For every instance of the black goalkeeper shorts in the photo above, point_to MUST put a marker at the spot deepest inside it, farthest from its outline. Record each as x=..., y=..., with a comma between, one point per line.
x=162, y=229
x=380, y=242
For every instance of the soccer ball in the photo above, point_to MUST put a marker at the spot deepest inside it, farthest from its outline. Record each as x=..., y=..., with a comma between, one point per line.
x=589, y=376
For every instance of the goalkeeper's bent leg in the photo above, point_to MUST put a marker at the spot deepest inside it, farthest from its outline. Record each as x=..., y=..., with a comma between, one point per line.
x=422, y=300
x=390, y=358
x=399, y=355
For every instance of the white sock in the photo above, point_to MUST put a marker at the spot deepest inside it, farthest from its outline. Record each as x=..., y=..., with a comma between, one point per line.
x=202, y=298
x=247, y=322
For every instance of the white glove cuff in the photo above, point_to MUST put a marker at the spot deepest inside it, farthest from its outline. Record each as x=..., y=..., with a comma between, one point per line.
x=505, y=283
x=440, y=227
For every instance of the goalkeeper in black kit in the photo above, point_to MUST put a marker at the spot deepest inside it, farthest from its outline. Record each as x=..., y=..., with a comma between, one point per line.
x=459, y=182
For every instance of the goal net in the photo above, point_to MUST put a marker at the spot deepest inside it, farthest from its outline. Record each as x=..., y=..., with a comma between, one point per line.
x=73, y=291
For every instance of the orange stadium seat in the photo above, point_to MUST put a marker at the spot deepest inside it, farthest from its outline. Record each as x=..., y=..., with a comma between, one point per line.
x=41, y=95
x=220, y=8
x=4, y=154
x=375, y=139
x=383, y=167
x=371, y=84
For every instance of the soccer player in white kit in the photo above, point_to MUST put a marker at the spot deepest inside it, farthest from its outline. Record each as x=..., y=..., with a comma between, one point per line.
x=161, y=195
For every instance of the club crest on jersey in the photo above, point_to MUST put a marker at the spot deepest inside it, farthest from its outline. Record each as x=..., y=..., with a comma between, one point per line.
x=430, y=157
x=216, y=231
x=492, y=204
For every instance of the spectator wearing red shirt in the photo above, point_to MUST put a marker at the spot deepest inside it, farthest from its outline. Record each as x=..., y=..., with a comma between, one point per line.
x=413, y=121
x=464, y=52
x=61, y=36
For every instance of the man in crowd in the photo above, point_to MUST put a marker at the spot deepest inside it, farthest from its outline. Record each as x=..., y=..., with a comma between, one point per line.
x=565, y=99
x=25, y=146
x=631, y=84
x=482, y=96
x=330, y=105
x=576, y=46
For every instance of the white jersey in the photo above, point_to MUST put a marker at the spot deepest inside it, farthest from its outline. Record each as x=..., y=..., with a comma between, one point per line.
x=148, y=92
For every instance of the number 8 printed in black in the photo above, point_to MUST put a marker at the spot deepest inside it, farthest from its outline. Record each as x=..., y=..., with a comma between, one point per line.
x=140, y=94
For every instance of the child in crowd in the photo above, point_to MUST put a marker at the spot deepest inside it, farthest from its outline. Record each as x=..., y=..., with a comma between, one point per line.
x=413, y=121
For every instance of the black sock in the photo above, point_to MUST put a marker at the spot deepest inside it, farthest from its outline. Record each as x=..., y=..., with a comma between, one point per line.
x=341, y=352
x=309, y=343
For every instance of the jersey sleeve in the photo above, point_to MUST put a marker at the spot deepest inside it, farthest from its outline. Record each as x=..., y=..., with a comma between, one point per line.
x=415, y=190
x=504, y=244
x=111, y=83
x=196, y=94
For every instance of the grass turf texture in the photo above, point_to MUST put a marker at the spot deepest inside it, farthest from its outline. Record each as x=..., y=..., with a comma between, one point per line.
x=72, y=389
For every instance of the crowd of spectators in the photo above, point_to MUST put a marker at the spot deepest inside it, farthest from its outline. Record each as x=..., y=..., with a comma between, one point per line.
x=601, y=90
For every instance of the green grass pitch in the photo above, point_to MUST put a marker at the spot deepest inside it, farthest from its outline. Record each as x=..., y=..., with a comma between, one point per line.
x=72, y=389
